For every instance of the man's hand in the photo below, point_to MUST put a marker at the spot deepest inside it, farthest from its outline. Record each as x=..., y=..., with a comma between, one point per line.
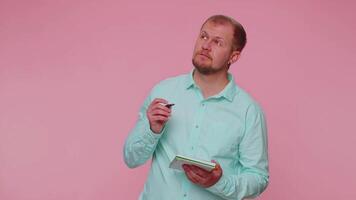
x=201, y=176
x=158, y=114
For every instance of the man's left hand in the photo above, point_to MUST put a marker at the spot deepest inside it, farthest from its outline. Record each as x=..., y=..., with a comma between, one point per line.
x=201, y=176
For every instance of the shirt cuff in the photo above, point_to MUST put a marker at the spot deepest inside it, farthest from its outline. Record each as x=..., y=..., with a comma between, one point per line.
x=151, y=136
x=220, y=186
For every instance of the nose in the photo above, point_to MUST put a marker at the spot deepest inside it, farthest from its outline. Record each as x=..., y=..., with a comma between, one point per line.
x=206, y=45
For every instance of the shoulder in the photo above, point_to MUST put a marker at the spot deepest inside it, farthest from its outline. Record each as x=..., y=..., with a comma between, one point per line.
x=247, y=102
x=170, y=84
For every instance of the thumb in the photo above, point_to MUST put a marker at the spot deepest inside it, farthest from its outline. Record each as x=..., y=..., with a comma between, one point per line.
x=217, y=166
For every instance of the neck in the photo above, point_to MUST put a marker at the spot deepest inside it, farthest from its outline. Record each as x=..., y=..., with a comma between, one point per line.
x=211, y=84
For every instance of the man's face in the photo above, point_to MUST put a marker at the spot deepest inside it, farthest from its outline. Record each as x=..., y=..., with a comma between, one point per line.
x=213, y=48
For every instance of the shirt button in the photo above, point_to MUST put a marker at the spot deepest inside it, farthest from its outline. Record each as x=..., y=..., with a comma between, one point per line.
x=203, y=104
x=184, y=195
x=196, y=126
x=192, y=148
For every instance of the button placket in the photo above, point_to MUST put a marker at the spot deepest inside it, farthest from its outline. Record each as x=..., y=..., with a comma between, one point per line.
x=197, y=127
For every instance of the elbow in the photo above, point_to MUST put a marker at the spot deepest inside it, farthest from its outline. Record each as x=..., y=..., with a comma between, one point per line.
x=129, y=164
x=130, y=160
x=264, y=183
x=261, y=185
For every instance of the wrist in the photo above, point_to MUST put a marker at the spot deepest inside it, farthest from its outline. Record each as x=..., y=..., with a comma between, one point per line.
x=156, y=130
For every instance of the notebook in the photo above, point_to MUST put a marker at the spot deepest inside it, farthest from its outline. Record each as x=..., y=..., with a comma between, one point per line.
x=180, y=160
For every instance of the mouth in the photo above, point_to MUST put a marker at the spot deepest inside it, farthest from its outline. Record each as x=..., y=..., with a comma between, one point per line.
x=204, y=55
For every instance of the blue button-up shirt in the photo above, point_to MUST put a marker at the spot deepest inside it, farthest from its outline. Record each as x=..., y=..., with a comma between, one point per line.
x=228, y=127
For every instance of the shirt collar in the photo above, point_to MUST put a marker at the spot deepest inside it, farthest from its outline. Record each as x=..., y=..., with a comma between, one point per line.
x=189, y=82
x=228, y=92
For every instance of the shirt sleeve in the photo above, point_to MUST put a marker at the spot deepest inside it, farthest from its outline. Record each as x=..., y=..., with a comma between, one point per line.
x=252, y=177
x=141, y=142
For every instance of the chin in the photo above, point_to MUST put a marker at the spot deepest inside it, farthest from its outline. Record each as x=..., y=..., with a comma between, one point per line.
x=204, y=69
x=201, y=63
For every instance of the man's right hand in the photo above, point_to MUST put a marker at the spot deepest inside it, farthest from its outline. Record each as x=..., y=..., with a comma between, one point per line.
x=158, y=114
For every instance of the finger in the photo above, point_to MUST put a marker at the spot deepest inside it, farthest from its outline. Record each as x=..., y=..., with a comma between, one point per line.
x=159, y=110
x=217, y=164
x=217, y=171
x=191, y=169
x=192, y=176
x=159, y=118
x=200, y=171
x=185, y=167
x=159, y=100
x=159, y=106
x=156, y=101
x=158, y=114
x=163, y=115
x=187, y=172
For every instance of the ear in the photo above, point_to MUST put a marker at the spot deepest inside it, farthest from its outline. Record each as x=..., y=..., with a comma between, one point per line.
x=235, y=55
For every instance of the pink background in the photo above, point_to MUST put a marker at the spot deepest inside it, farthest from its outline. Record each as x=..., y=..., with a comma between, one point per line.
x=74, y=73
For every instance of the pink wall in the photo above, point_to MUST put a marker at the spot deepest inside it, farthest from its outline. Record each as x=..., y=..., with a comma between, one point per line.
x=74, y=73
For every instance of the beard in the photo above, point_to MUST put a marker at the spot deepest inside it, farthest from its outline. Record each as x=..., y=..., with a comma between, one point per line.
x=206, y=69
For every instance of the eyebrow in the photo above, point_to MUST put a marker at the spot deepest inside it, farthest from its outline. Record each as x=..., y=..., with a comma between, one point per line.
x=217, y=37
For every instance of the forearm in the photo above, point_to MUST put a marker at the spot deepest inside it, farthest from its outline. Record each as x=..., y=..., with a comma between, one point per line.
x=252, y=177
x=246, y=185
x=140, y=144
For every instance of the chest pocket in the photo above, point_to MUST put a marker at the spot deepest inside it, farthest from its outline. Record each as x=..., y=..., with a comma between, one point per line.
x=220, y=140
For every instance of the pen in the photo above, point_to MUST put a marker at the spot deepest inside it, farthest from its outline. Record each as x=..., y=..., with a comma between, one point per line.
x=169, y=105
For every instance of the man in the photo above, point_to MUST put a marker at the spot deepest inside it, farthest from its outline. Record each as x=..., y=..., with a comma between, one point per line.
x=212, y=119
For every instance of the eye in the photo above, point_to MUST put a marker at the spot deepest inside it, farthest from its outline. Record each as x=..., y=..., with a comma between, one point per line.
x=203, y=36
x=219, y=43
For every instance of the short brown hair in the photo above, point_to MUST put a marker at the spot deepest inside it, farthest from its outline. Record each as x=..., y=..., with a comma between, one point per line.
x=239, y=39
